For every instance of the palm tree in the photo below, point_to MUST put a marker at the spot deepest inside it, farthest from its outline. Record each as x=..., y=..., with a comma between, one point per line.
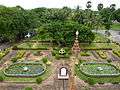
x=112, y=7
x=100, y=6
x=88, y=5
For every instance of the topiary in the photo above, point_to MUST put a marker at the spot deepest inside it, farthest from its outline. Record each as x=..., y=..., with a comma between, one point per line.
x=38, y=80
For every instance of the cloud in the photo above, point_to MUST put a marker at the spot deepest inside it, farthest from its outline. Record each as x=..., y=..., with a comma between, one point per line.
x=29, y=4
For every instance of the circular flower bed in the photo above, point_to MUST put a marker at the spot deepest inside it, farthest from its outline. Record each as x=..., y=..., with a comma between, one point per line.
x=25, y=69
x=99, y=69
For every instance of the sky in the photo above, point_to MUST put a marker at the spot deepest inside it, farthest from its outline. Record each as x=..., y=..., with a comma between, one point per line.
x=30, y=4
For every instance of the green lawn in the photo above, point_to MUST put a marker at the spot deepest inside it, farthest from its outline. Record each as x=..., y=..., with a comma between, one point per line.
x=116, y=26
x=100, y=38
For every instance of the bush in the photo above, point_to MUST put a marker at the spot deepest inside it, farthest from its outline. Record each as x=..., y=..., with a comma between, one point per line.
x=14, y=59
x=57, y=56
x=1, y=78
x=91, y=81
x=39, y=80
x=45, y=60
x=28, y=88
x=109, y=60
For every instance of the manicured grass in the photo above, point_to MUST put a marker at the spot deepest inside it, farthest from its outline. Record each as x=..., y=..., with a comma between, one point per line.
x=116, y=26
x=96, y=79
x=100, y=38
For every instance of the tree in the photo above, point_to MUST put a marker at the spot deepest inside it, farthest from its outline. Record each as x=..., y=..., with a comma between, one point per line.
x=112, y=7
x=64, y=32
x=88, y=5
x=100, y=6
x=117, y=15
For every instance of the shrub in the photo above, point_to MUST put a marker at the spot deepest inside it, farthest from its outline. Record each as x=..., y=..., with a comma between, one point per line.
x=28, y=88
x=1, y=78
x=57, y=56
x=14, y=59
x=39, y=80
x=90, y=81
x=45, y=60
x=109, y=60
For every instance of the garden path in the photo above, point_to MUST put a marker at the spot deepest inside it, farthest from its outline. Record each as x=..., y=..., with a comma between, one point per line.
x=113, y=57
x=6, y=59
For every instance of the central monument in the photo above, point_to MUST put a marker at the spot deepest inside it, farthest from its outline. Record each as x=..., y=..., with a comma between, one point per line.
x=76, y=48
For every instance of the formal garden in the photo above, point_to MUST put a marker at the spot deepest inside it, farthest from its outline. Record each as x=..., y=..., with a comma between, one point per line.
x=41, y=38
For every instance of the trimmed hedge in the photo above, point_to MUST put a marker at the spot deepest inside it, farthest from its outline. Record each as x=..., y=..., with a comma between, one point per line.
x=102, y=54
x=84, y=53
x=116, y=53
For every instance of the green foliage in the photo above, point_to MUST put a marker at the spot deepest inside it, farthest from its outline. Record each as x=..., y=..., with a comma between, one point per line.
x=19, y=55
x=90, y=81
x=14, y=59
x=117, y=15
x=116, y=52
x=84, y=53
x=64, y=32
x=1, y=78
x=45, y=60
x=109, y=60
x=39, y=80
x=102, y=54
x=3, y=53
x=28, y=88
x=15, y=23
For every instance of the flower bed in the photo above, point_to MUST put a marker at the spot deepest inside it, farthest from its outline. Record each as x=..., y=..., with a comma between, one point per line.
x=3, y=53
x=19, y=55
x=99, y=69
x=25, y=69
x=116, y=53
x=102, y=54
